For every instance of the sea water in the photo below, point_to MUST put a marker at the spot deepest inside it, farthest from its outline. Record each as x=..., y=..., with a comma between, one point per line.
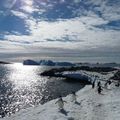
x=22, y=86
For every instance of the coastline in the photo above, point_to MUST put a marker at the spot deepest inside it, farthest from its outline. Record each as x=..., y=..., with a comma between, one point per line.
x=90, y=106
x=87, y=98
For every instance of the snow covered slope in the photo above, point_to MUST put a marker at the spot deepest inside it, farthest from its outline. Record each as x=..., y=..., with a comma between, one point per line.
x=90, y=106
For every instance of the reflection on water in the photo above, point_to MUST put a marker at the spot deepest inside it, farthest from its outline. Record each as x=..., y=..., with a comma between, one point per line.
x=22, y=87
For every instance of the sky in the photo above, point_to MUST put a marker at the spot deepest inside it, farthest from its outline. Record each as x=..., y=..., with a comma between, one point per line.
x=59, y=26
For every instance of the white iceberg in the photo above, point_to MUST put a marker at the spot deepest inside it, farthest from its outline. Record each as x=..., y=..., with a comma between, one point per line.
x=47, y=63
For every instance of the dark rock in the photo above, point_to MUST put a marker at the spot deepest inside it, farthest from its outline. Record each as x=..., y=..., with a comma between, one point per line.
x=116, y=76
x=2, y=62
x=30, y=62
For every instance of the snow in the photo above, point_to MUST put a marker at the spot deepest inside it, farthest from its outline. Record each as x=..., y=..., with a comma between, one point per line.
x=88, y=76
x=78, y=75
x=90, y=105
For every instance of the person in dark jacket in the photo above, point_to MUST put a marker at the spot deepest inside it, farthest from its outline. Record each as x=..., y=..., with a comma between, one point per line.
x=93, y=84
x=109, y=82
x=99, y=84
x=99, y=89
x=117, y=84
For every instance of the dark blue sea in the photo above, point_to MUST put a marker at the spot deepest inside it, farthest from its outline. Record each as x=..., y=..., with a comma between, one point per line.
x=22, y=87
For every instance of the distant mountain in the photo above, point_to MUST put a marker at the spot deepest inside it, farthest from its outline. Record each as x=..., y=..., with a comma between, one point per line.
x=2, y=62
x=47, y=63
x=30, y=62
x=99, y=64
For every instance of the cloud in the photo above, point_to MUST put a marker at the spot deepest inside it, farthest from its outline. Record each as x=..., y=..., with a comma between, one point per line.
x=19, y=14
x=107, y=8
x=62, y=25
x=9, y=3
x=77, y=33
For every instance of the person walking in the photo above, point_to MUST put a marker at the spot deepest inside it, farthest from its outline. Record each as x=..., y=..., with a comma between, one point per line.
x=60, y=103
x=74, y=97
x=99, y=89
x=99, y=84
x=93, y=84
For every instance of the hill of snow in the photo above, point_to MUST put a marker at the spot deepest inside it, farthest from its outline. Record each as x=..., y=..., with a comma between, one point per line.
x=90, y=106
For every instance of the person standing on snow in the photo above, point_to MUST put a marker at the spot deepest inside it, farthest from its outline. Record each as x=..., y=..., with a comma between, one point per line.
x=93, y=84
x=60, y=103
x=106, y=85
x=74, y=97
x=99, y=84
x=109, y=82
x=117, y=84
x=99, y=89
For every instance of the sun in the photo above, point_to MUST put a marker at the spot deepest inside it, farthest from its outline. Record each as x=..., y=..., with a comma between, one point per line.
x=28, y=9
x=28, y=2
x=28, y=6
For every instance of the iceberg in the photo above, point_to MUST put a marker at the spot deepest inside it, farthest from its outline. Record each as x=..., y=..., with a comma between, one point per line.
x=47, y=63
x=30, y=62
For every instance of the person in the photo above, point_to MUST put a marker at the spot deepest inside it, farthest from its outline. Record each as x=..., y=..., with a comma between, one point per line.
x=109, y=82
x=99, y=84
x=106, y=85
x=117, y=84
x=74, y=97
x=93, y=84
x=99, y=89
x=60, y=103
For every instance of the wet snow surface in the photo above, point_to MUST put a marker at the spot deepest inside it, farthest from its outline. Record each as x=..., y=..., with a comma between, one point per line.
x=90, y=106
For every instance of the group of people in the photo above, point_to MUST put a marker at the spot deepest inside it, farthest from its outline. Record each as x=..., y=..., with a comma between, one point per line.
x=99, y=87
x=61, y=102
x=107, y=83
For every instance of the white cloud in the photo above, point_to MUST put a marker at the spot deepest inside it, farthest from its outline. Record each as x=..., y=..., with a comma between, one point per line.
x=8, y=46
x=110, y=11
x=93, y=20
x=19, y=14
x=45, y=34
x=79, y=27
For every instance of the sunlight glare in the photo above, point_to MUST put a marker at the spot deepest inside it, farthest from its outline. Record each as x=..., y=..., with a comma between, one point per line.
x=28, y=6
x=20, y=75
x=28, y=9
x=28, y=2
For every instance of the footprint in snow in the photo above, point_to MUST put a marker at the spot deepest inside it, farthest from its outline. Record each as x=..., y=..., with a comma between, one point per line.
x=99, y=105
